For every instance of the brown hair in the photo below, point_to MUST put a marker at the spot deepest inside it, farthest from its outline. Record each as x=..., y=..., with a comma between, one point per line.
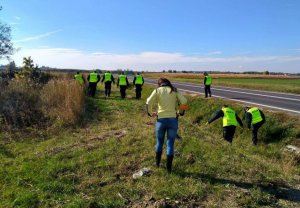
x=165, y=82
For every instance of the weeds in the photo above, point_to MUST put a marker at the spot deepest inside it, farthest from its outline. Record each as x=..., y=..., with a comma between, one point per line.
x=63, y=101
x=25, y=103
x=92, y=166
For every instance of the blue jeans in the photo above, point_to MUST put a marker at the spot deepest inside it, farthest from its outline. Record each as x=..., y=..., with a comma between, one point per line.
x=163, y=125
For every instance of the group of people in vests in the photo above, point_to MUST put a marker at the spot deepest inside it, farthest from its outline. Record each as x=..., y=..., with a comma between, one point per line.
x=255, y=118
x=108, y=78
x=165, y=99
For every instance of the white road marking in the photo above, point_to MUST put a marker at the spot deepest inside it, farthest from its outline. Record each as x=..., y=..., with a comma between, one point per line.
x=248, y=93
x=269, y=106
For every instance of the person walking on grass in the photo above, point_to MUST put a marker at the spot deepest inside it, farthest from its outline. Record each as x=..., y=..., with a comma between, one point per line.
x=255, y=118
x=108, y=79
x=138, y=82
x=165, y=98
x=79, y=77
x=123, y=84
x=93, y=79
x=230, y=121
x=207, y=83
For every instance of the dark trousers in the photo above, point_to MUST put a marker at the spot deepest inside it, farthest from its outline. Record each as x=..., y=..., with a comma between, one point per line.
x=255, y=128
x=228, y=133
x=123, y=91
x=207, y=90
x=92, y=88
x=107, y=88
x=138, y=91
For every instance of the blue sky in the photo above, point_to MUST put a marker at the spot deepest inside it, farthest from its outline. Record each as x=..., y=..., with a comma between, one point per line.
x=226, y=35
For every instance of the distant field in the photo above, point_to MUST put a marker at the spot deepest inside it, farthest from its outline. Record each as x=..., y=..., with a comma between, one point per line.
x=280, y=83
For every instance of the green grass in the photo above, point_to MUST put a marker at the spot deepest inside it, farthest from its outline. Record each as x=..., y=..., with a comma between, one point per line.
x=280, y=85
x=92, y=165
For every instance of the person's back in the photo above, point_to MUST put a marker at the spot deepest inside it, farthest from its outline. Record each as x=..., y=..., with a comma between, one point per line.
x=79, y=77
x=207, y=83
x=108, y=79
x=229, y=121
x=93, y=79
x=138, y=82
x=166, y=97
x=255, y=118
x=122, y=83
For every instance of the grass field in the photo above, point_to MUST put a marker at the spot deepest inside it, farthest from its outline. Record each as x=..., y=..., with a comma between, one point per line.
x=91, y=165
x=278, y=83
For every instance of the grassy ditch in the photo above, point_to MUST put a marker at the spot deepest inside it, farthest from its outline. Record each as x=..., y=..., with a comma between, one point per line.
x=277, y=83
x=92, y=165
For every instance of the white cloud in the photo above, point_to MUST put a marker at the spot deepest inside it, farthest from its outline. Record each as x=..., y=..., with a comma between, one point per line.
x=36, y=37
x=155, y=61
x=214, y=53
x=17, y=18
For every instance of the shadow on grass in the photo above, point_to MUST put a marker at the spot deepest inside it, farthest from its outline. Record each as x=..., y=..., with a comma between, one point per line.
x=280, y=191
x=275, y=134
x=4, y=151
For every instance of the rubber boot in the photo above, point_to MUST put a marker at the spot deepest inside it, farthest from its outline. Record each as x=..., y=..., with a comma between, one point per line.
x=157, y=158
x=169, y=163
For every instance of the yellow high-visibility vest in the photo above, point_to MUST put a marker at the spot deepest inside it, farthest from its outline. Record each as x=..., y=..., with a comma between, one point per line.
x=139, y=79
x=79, y=78
x=107, y=77
x=256, y=116
x=93, y=77
x=208, y=80
x=122, y=80
x=229, y=118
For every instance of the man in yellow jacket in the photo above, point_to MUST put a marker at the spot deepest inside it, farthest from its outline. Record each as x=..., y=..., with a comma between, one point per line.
x=255, y=118
x=79, y=77
x=230, y=121
x=93, y=79
x=207, y=83
x=123, y=84
x=138, y=82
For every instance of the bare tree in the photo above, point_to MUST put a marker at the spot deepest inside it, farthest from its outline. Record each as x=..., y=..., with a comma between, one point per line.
x=6, y=46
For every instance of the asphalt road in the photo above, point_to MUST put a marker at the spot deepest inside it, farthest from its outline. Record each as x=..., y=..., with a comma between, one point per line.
x=277, y=101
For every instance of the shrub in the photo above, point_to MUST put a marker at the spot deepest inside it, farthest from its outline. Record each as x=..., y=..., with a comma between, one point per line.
x=20, y=104
x=25, y=103
x=63, y=101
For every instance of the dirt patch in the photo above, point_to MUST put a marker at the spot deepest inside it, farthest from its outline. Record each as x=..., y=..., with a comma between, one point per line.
x=190, y=159
x=129, y=169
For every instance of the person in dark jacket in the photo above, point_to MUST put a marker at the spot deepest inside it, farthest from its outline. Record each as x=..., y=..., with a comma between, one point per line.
x=108, y=78
x=93, y=79
x=230, y=121
x=207, y=83
x=255, y=118
x=123, y=83
x=138, y=82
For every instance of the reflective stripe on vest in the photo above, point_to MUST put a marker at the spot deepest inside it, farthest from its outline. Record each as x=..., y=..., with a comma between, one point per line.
x=139, y=79
x=93, y=77
x=229, y=117
x=208, y=80
x=79, y=78
x=107, y=77
x=256, y=116
x=122, y=80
